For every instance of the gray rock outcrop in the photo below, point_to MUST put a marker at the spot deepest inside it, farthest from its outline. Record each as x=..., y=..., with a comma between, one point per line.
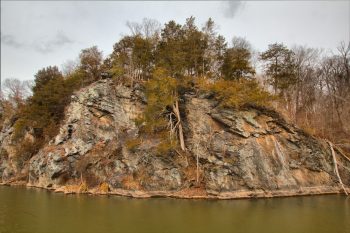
x=241, y=153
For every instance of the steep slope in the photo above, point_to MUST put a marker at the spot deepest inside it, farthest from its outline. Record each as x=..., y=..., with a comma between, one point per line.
x=252, y=152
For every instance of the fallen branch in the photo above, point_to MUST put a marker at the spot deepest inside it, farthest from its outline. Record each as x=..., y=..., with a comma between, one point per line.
x=336, y=166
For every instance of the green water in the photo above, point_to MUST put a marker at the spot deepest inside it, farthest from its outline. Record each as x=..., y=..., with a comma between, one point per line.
x=36, y=211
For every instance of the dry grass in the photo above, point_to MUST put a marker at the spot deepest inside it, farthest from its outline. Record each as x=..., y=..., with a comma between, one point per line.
x=98, y=148
x=130, y=183
x=200, y=191
x=71, y=188
x=83, y=188
x=104, y=188
x=132, y=144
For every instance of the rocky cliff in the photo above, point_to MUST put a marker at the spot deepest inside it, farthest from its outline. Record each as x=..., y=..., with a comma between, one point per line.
x=251, y=152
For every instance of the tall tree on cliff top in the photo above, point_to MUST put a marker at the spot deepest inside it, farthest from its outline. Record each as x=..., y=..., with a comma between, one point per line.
x=236, y=63
x=121, y=58
x=170, y=54
x=90, y=62
x=214, y=51
x=279, y=66
x=43, y=76
x=142, y=57
x=194, y=46
x=133, y=57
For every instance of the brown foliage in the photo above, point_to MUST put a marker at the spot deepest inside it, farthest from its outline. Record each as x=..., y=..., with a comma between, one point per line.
x=104, y=187
x=133, y=143
x=236, y=93
x=129, y=182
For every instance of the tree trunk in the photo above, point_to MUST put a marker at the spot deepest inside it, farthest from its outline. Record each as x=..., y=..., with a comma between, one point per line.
x=197, y=164
x=197, y=170
x=179, y=124
x=336, y=167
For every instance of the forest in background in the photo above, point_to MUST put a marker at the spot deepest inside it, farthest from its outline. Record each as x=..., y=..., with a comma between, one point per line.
x=308, y=86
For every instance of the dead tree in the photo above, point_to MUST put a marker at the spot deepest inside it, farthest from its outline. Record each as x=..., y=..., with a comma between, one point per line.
x=336, y=167
x=178, y=125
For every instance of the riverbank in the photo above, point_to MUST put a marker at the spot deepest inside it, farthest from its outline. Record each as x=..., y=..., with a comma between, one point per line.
x=194, y=193
x=251, y=152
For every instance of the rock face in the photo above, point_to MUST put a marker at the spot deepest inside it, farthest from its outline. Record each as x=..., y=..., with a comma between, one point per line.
x=230, y=153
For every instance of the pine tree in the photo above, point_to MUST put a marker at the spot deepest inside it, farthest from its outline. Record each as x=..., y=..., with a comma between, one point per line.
x=236, y=61
x=280, y=66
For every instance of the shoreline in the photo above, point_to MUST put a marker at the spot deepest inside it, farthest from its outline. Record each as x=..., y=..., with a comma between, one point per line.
x=206, y=194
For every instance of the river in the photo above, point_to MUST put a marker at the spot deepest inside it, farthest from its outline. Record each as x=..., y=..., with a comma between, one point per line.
x=40, y=211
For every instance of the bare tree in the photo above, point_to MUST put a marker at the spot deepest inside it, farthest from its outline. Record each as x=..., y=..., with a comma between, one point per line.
x=16, y=91
x=306, y=87
x=135, y=28
x=241, y=42
x=149, y=28
x=69, y=66
x=344, y=53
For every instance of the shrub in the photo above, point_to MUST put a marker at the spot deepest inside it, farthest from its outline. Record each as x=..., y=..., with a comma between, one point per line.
x=132, y=144
x=104, y=187
x=130, y=183
x=166, y=146
x=83, y=188
x=236, y=93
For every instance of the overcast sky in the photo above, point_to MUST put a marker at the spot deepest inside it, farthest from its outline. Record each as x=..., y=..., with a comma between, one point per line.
x=39, y=34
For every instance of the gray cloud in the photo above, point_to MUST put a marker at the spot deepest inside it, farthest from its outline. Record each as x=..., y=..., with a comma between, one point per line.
x=11, y=41
x=231, y=8
x=49, y=46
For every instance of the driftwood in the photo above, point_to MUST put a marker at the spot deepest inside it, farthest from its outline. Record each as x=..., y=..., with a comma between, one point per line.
x=336, y=166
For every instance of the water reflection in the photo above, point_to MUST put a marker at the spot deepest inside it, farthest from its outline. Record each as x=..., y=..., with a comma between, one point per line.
x=34, y=210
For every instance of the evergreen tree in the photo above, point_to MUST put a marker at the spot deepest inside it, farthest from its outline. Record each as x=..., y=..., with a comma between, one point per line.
x=170, y=54
x=133, y=56
x=210, y=54
x=162, y=110
x=194, y=46
x=236, y=61
x=43, y=76
x=280, y=66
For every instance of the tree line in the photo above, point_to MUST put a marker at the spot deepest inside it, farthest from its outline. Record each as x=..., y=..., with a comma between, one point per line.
x=309, y=86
